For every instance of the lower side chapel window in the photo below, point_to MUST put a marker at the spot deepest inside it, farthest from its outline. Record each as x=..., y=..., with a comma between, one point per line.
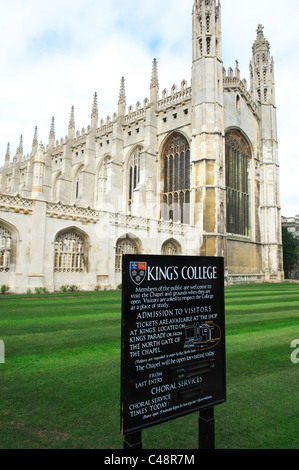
x=176, y=180
x=171, y=247
x=237, y=157
x=124, y=246
x=69, y=253
x=5, y=250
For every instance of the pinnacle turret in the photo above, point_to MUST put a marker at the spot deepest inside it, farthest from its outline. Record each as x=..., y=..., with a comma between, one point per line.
x=52, y=133
x=71, y=130
x=154, y=87
x=206, y=29
x=52, y=129
x=7, y=155
x=262, y=70
x=35, y=141
x=94, y=112
x=122, y=98
x=72, y=119
x=122, y=93
x=261, y=44
x=19, y=153
x=155, y=79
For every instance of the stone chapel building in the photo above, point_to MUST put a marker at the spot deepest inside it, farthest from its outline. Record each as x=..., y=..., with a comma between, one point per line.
x=190, y=171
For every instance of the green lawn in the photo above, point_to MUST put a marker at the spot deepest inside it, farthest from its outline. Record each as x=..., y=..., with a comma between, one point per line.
x=60, y=384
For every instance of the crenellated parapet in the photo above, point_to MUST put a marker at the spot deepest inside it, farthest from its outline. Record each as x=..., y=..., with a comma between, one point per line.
x=232, y=82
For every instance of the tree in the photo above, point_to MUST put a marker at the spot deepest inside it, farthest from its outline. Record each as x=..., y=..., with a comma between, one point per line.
x=290, y=250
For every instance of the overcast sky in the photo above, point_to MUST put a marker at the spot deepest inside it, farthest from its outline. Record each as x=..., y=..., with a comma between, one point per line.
x=57, y=54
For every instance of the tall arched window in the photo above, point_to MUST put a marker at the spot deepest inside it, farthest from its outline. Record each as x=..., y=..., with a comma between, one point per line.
x=134, y=175
x=124, y=246
x=5, y=249
x=237, y=158
x=176, y=179
x=69, y=253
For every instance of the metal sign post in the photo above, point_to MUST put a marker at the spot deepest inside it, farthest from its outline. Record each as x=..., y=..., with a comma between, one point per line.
x=207, y=429
x=133, y=441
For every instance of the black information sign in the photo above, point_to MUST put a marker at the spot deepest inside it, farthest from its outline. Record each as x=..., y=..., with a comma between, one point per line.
x=173, y=338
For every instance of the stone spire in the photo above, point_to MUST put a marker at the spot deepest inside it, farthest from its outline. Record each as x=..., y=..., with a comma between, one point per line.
x=35, y=141
x=52, y=129
x=72, y=118
x=155, y=79
x=52, y=133
x=154, y=87
x=72, y=123
x=122, y=98
x=94, y=111
x=7, y=155
x=19, y=153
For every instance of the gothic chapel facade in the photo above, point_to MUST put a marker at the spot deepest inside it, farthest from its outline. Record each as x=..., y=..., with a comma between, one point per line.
x=193, y=171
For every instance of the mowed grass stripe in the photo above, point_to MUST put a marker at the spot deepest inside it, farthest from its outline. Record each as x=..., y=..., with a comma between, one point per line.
x=253, y=324
x=57, y=323
x=49, y=344
x=263, y=306
x=237, y=293
x=45, y=305
x=71, y=357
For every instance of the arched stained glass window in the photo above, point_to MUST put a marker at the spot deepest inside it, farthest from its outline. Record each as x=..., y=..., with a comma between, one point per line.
x=176, y=179
x=237, y=158
x=69, y=253
x=5, y=249
x=134, y=175
x=124, y=246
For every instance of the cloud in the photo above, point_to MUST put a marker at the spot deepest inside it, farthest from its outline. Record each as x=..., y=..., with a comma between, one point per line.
x=57, y=54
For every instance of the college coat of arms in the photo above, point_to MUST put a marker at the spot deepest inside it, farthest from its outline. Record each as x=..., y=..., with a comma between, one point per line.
x=138, y=272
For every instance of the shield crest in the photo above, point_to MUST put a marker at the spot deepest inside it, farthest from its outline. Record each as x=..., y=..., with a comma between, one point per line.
x=138, y=272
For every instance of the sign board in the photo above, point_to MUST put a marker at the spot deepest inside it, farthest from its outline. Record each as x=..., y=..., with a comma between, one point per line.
x=173, y=338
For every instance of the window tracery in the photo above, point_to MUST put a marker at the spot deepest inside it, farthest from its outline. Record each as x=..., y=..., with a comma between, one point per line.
x=176, y=179
x=237, y=157
x=171, y=248
x=5, y=249
x=69, y=253
x=124, y=246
